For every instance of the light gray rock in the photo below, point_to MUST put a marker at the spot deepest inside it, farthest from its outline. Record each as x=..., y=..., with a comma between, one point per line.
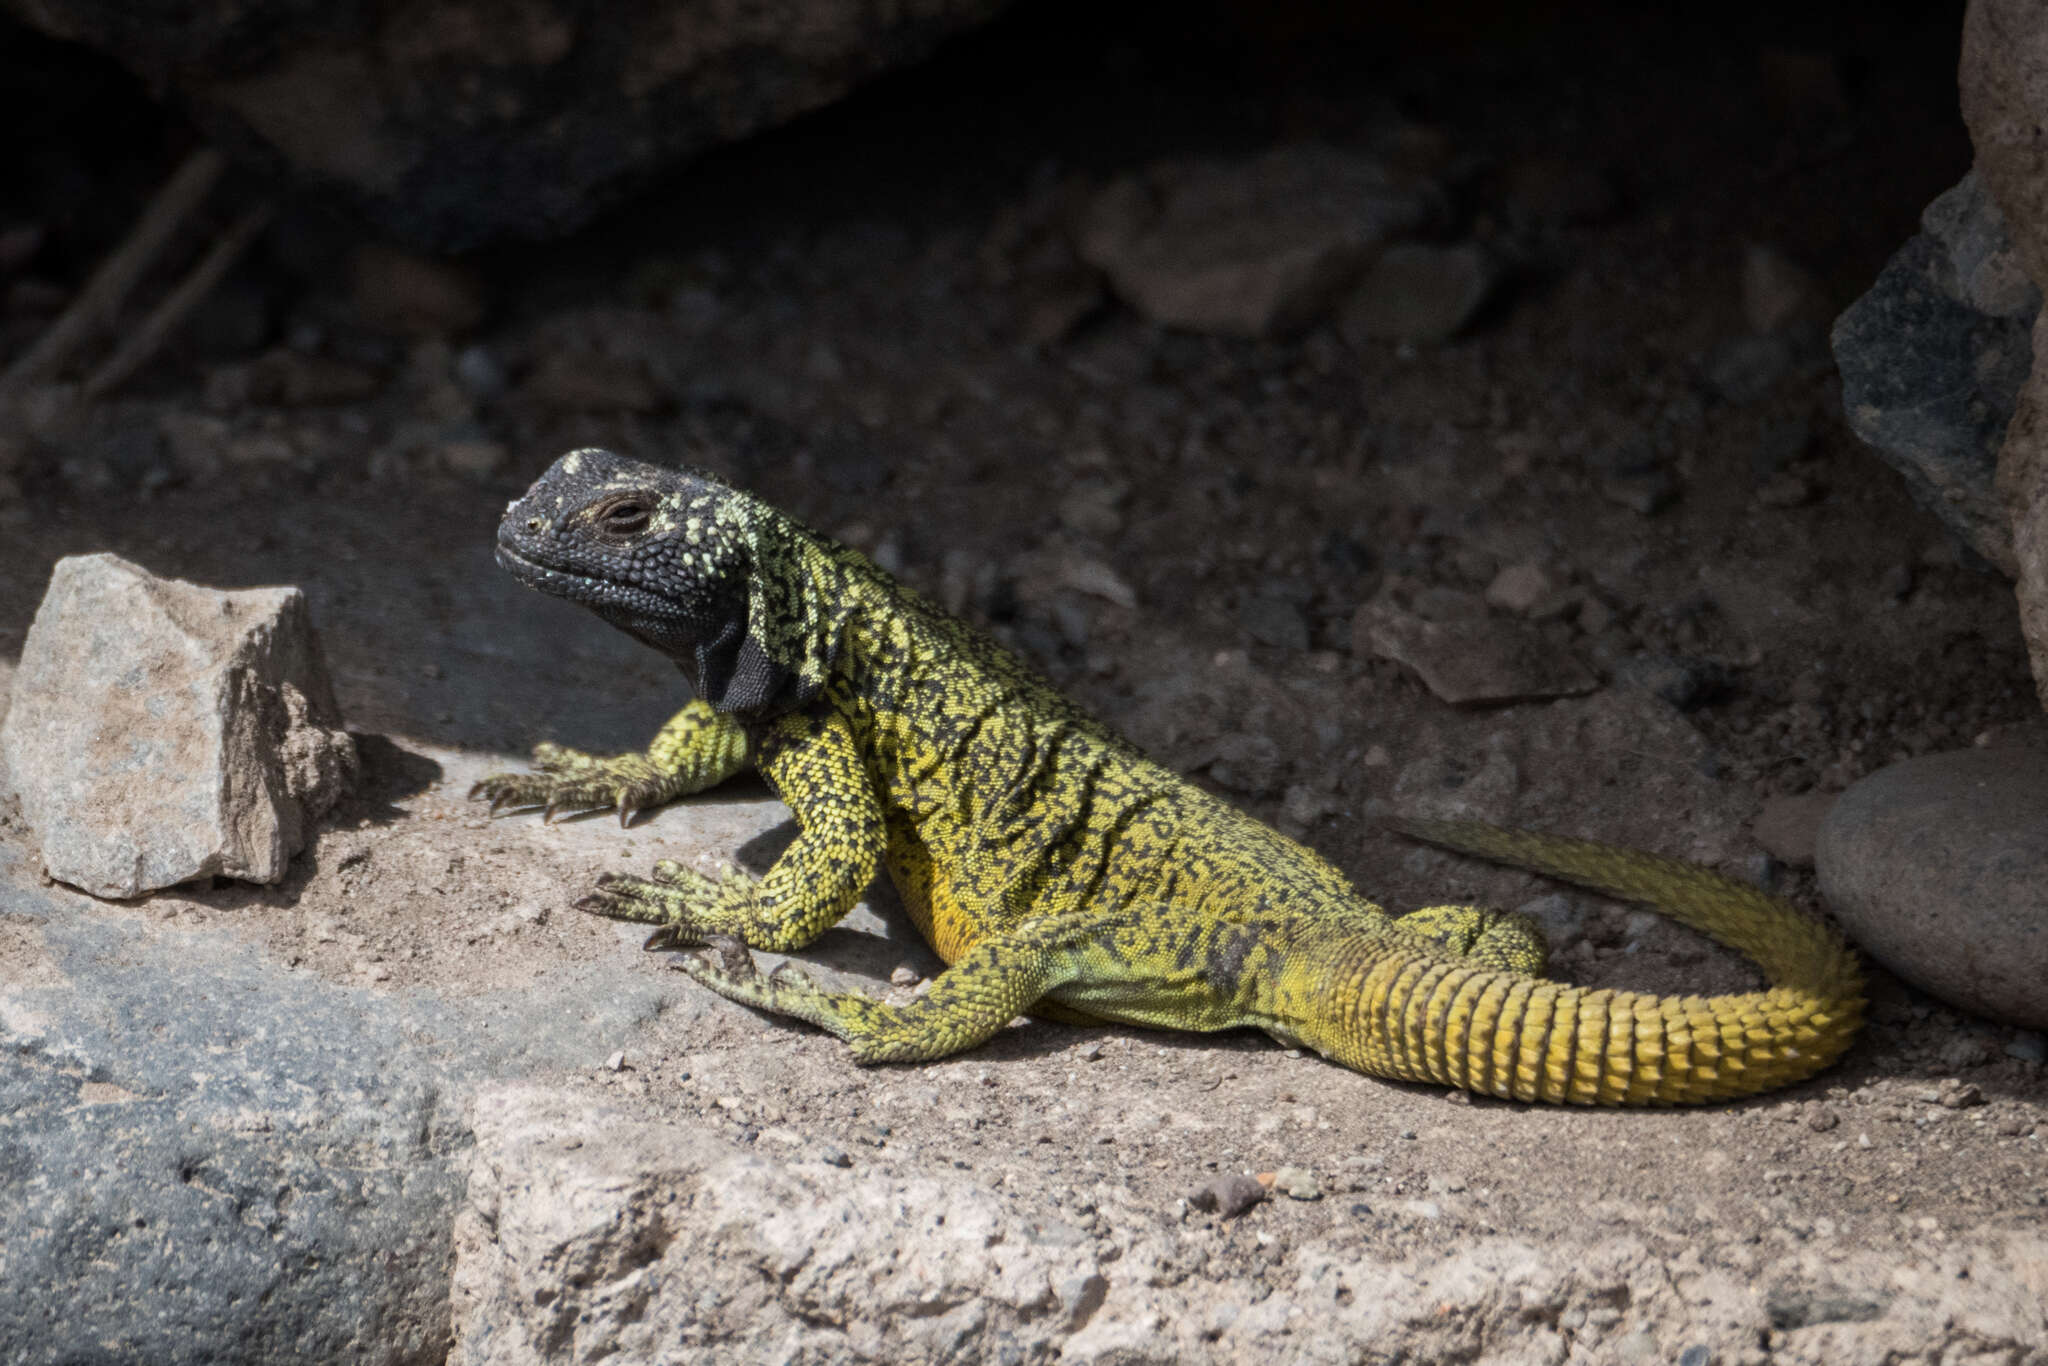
x=1248, y=248
x=1935, y=867
x=161, y=731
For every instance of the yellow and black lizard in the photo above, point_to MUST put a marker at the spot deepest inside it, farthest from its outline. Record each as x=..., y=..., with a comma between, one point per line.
x=1059, y=871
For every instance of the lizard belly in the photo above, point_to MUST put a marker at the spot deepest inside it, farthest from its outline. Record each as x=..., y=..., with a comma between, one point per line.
x=928, y=895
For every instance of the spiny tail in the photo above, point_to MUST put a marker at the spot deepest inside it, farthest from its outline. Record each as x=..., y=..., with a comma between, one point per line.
x=1533, y=1039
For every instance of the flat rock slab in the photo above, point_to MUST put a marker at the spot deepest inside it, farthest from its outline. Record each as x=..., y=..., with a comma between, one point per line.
x=214, y=1148
x=1249, y=248
x=160, y=731
x=1936, y=867
x=1473, y=663
x=591, y=1232
x=1417, y=292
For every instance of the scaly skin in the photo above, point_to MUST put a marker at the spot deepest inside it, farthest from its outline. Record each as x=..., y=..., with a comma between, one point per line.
x=1058, y=870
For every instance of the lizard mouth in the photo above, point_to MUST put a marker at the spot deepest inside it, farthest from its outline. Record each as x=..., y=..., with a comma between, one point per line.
x=534, y=574
x=626, y=605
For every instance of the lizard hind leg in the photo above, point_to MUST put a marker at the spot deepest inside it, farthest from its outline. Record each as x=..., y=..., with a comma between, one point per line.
x=1506, y=940
x=987, y=987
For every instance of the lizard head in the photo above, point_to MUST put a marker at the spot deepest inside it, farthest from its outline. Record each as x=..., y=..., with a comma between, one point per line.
x=671, y=557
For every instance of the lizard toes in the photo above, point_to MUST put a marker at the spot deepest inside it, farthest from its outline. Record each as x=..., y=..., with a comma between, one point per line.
x=671, y=936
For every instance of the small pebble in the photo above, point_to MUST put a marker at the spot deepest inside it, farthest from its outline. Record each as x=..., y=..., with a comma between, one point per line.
x=1519, y=587
x=1820, y=1121
x=904, y=975
x=1089, y=1052
x=1787, y=826
x=1228, y=1196
x=1297, y=1183
x=1960, y=1095
x=1638, y=1346
x=834, y=1157
x=616, y=1062
x=1562, y=920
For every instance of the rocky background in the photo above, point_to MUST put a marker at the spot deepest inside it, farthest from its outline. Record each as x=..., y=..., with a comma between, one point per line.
x=1609, y=421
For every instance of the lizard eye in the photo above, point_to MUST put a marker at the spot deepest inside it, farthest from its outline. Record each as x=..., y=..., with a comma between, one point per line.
x=624, y=517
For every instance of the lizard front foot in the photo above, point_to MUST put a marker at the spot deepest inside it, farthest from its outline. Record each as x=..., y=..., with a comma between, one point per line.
x=690, y=907
x=570, y=780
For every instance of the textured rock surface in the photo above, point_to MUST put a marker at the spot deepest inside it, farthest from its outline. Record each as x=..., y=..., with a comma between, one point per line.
x=212, y=1151
x=161, y=731
x=589, y=1233
x=1248, y=248
x=2004, y=84
x=1931, y=374
x=2023, y=485
x=457, y=122
x=2003, y=81
x=1935, y=867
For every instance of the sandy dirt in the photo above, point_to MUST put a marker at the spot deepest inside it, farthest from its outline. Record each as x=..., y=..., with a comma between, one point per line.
x=814, y=316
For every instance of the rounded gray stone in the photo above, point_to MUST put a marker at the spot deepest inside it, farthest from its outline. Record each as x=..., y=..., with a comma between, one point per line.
x=1938, y=868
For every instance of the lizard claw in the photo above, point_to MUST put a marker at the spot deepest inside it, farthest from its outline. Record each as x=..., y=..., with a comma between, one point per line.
x=730, y=955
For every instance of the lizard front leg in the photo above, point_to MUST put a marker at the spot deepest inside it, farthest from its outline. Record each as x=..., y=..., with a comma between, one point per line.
x=698, y=748
x=813, y=762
